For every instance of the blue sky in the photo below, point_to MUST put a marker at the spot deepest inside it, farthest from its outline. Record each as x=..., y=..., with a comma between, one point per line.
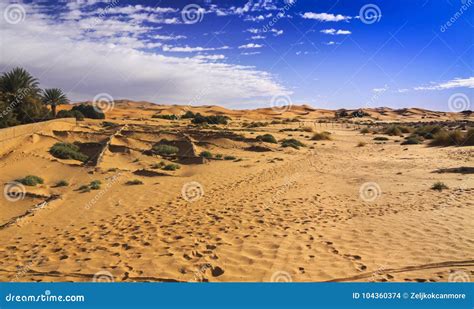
x=244, y=54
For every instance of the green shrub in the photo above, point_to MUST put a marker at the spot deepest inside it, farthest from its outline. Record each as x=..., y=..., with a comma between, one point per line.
x=67, y=151
x=321, y=136
x=95, y=185
x=428, y=132
x=84, y=188
x=381, y=138
x=31, y=180
x=452, y=138
x=267, y=138
x=365, y=131
x=134, y=182
x=167, y=117
x=89, y=111
x=359, y=114
x=188, y=114
x=218, y=156
x=396, y=130
x=341, y=113
x=229, y=158
x=294, y=143
x=163, y=149
x=171, y=167
x=198, y=119
x=256, y=124
x=70, y=114
x=158, y=165
x=62, y=183
x=206, y=154
x=439, y=186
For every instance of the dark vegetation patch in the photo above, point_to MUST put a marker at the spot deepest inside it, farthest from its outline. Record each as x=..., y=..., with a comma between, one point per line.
x=31, y=180
x=67, y=151
x=291, y=142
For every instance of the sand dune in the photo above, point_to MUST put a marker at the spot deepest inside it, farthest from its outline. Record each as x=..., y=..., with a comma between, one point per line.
x=305, y=214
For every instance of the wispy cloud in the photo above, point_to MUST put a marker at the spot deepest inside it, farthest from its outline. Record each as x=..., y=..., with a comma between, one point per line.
x=276, y=32
x=454, y=83
x=335, y=32
x=326, y=17
x=189, y=49
x=250, y=45
x=168, y=37
x=250, y=53
x=210, y=57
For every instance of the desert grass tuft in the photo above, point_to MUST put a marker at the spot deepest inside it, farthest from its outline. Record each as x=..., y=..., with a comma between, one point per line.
x=439, y=186
x=31, y=180
x=321, y=136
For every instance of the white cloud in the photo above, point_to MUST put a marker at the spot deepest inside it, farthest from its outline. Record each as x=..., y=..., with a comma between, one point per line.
x=189, y=49
x=257, y=37
x=250, y=45
x=250, y=53
x=325, y=17
x=254, y=30
x=380, y=90
x=254, y=18
x=454, y=83
x=330, y=43
x=131, y=9
x=335, y=32
x=84, y=63
x=210, y=57
x=169, y=37
x=276, y=32
x=301, y=53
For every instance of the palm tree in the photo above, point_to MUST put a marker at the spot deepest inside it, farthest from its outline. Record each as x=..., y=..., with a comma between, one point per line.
x=19, y=90
x=54, y=97
x=18, y=82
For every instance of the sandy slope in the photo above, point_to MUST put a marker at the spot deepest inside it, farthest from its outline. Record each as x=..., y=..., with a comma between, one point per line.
x=281, y=215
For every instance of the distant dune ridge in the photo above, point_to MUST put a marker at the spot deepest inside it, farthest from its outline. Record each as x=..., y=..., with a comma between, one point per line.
x=281, y=112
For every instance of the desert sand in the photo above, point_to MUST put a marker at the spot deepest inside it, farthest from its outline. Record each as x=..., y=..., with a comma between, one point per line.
x=330, y=211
